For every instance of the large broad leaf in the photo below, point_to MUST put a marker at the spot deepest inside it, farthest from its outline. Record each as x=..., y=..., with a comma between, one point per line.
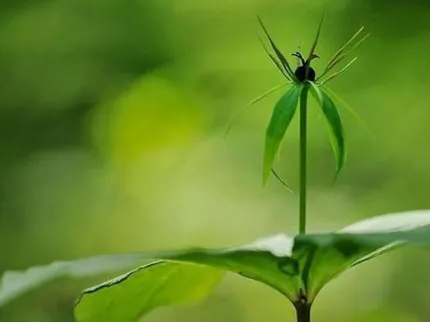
x=333, y=253
x=128, y=297
x=15, y=283
x=281, y=118
x=176, y=280
x=292, y=266
x=337, y=135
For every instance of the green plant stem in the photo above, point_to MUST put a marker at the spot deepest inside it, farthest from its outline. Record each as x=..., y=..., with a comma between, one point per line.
x=303, y=311
x=303, y=161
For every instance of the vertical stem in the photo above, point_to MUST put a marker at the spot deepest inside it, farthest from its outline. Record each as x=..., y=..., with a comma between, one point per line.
x=303, y=162
x=303, y=311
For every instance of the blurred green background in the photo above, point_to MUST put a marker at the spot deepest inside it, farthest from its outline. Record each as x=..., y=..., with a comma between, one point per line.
x=112, y=122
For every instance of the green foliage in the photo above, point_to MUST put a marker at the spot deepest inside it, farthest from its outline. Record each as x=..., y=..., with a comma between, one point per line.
x=295, y=267
x=337, y=135
x=341, y=54
x=341, y=103
x=281, y=118
x=129, y=296
x=285, y=108
x=254, y=101
x=282, y=62
x=316, y=39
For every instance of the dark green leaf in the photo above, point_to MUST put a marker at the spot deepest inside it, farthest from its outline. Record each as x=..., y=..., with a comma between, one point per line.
x=278, y=64
x=278, y=53
x=281, y=118
x=337, y=137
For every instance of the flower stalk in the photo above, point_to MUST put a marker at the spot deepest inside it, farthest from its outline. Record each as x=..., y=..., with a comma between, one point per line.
x=303, y=159
x=303, y=311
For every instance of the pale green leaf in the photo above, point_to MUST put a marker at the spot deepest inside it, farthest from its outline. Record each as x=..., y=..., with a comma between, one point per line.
x=334, y=75
x=343, y=51
x=295, y=267
x=281, y=118
x=15, y=283
x=342, y=103
x=181, y=279
x=254, y=101
x=132, y=295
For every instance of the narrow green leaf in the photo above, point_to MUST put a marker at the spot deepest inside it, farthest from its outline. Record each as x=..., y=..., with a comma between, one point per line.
x=281, y=181
x=341, y=102
x=317, y=36
x=136, y=293
x=358, y=43
x=332, y=65
x=337, y=137
x=334, y=75
x=316, y=92
x=278, y=53
x=254, y=101
x=281, y=118
x=275, y=61
x=343, y=51
x=344, y=48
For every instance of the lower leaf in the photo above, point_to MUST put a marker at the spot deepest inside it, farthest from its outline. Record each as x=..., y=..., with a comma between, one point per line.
x=136, y=293
x=296, y=267
x=334, y=253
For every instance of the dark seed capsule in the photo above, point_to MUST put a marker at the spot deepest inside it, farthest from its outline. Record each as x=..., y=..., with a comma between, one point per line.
x=301, y=74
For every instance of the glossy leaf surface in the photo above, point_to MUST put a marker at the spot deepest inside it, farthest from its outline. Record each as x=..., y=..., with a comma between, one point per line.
x=282, y=115
x=303, y=264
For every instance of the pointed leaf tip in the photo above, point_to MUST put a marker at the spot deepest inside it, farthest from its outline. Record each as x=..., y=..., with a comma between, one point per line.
x=288, y=72
x=281, y=181
x=282, y=115
x=317, y=36
x=251, y=103
x=350, y=110
x=334, y=75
